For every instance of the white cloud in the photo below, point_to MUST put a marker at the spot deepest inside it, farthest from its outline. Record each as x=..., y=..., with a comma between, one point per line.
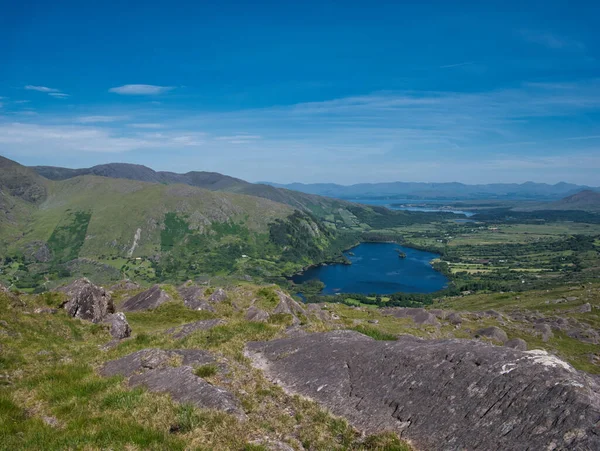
x=141, y=89
x=59, y=95
x=99, y=119
x=448, y=66
x=40, y=88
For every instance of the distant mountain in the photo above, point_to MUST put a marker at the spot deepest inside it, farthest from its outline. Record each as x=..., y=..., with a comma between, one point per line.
x=207, y=180
x=439, y=191
x=586, y=200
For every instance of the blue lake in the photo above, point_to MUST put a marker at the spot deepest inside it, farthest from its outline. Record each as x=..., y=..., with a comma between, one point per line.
x=377, y=269
x=429, y=206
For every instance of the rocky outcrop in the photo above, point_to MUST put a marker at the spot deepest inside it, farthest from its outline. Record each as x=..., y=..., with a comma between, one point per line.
x=495, y=333
x=517, y=343
x=256, y=315
x=218, y=295
x=187, y=329
x=153, y=369
x=289, y=307
x=125, y=285
x=146, y=300
x=87, y=301
x=440, y=394
x=119, y=327
x=544, y=330
x=418, y=315
x=193, y=298
x=454, y=318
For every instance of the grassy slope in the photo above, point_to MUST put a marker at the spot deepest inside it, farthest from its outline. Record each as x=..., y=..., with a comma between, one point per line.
x=48, y=368
x=119, y=207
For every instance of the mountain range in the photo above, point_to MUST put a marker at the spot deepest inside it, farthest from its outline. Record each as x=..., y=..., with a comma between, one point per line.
x=439, y=191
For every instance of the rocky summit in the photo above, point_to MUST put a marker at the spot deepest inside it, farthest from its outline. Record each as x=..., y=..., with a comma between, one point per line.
x=440, y=394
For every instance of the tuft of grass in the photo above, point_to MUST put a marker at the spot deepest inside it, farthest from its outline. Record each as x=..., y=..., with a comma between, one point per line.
x=375, y=333
x=206, y=370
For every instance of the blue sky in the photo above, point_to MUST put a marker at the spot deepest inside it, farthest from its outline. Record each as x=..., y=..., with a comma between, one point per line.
x=307, y=91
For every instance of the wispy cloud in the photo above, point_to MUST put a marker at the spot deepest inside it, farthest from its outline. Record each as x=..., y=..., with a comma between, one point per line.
x=551, y=40
x=448, y=66
x=141, y=89
x=99, y=119
x=53, y=92
x=146, y=125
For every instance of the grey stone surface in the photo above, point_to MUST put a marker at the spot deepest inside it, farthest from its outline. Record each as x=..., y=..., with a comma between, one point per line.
x=151, y=368
x=256, y=315
x=219, y=295
x=149, y=299
x=187, y=329
x=454, y=318
x=185, y=387
x=495, y=333
x=149, y=359
x=290, y=307
x=126, y=285
x=418, y=315
x=119, y=327
x=516, y=343
x=440, y=394
x=544, y=330
x=193, y=298
x=87, y=301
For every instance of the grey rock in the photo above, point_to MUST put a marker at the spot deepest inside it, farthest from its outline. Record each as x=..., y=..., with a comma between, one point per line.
x=572, y=298
x=149, y=359
x=288, y=306
x=87, y=301
x=516, y=343
x=439, y=313
x=149, y=299
x=119, y=327
x=373, y=321
x=125, y=285
x=187, y=329
x=319, y=311
x=271, y=445
x=454, y=318
x=544, y=330
x=185, y=387
x=193, y=298
x=151, y=368
x=495, y=333
x=50, y=421
x=440, y=394
x=45, y=311
x=256, y=315
x=585, y=308
x=218, y=296
x=418, y=315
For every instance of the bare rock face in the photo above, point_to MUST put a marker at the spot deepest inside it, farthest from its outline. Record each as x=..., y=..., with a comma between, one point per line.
x=440, y=394
x=146, y=300
x=256, y=315
x=151, y=368
x=193, y=298
x=126, y=285
x=288, y=306
x=517, y=343
x=495, y=333
x=418, y=315
x=544, y=330
x=187, y=329
x=119, y=327
x=218, y=296
x=87, y=301
x=454, y=318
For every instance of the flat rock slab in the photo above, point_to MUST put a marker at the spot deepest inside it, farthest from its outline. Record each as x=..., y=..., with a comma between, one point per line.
x=151, y=368
x=149, y=359
x=440, y=394
x=193, y=298
x=418, y=315
x=187, y=329
x=146, y=300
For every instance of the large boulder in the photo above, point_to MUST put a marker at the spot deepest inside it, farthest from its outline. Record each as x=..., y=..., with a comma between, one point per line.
x=119, y=327
x=440, y=394
x=87, y=301
x=256, y=315
x=149, y=299
x=218, y=295
x=125, y=285
x=418, y=315
x=193, y=298
x=289, y=307
x=493, y=332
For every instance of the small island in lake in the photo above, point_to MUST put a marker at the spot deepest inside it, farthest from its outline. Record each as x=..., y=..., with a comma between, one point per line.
x=401, y=254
